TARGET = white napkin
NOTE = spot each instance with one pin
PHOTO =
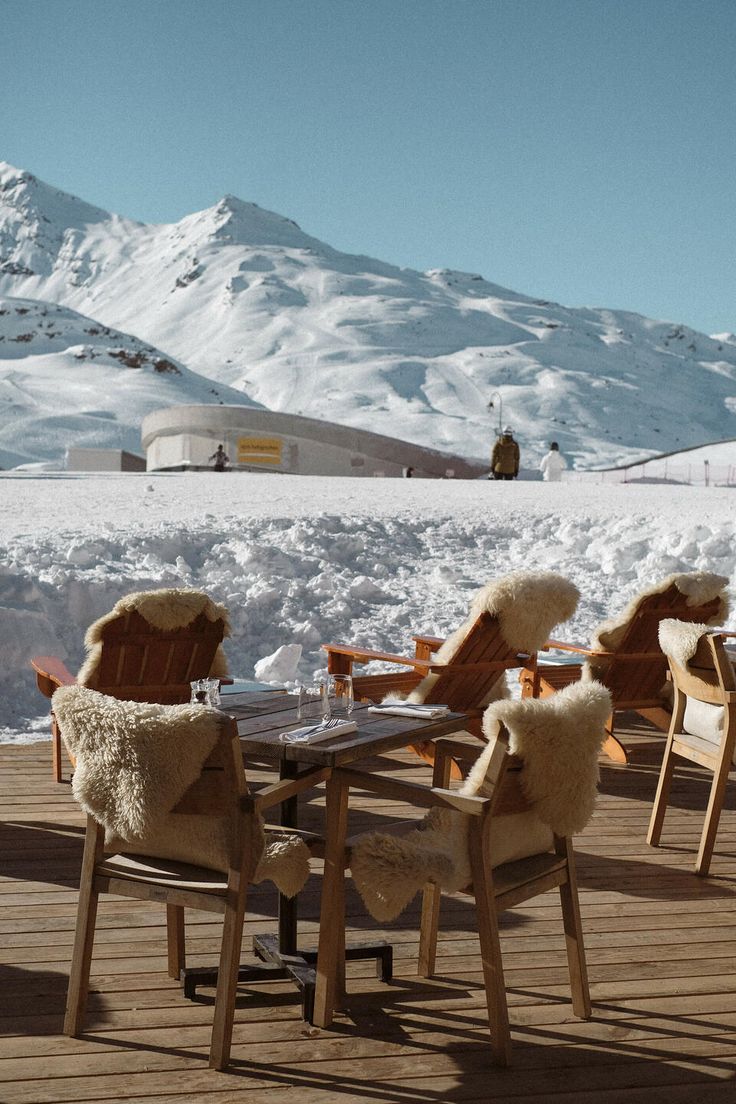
(407, 709)
(312, 734)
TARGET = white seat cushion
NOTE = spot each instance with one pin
(704, 720)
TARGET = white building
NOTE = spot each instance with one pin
(185, 437)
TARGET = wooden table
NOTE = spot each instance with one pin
(261, 718)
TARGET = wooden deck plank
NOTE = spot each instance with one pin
(661, 947)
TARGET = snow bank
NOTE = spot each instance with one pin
(302, 560)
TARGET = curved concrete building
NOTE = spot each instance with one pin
(185, 437)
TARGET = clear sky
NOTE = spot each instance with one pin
(580, 150)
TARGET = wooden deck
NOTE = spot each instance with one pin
(661, 947)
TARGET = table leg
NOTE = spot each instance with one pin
(280, 956)
(331, 952)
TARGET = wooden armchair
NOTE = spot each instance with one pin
(703, 726)
(148, 648)
(625, 654)
(509, 619)
(190, 836)
(503, 838)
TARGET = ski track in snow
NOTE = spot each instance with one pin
(307, 560)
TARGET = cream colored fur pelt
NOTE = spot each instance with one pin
(559, 739)
(679, 639)
(166, 610)
(527, 604)
(699, 587)
(134, 763)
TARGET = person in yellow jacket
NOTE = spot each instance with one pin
(505, 456)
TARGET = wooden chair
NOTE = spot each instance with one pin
(468, 668)
(702, 731)
(626, 656)
(132, 657)
(219, 799)
(547, 863)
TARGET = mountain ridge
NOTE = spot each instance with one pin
(241, 295)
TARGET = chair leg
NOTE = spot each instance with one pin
(330, 986)
(612, 746)
(713, 814)
(662, 796)
(76, 998)
(175, 940)
(56, 750)
(431, 898)
(227, 971)
(490, 947)
(574, 934)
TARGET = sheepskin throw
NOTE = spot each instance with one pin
(166, 610)
(698, 587)
(679, 639)
(528, 605)
(559, 739)
(134, 763)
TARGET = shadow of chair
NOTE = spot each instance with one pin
(503, 838)
(148, 648)
(509, 620)
(703, 726)
(170, 819)
(625, 654)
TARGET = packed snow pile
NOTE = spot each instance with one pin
(244, 297)
(301, 561)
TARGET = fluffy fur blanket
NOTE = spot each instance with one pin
(699, 587)
(679, 639)
(559, 739)
(527, 604)
(167, 609)
(134, 763)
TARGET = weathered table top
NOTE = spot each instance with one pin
(263, 716)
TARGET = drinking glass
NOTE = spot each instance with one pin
(312, 703)
(205, 691)
(340, 695)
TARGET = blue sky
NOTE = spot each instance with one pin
(580, 150)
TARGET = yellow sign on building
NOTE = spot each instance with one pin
(260, 450)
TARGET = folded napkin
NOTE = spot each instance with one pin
(312, 734)
(408, 709)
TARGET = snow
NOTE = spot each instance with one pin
(67, 380)
(245, 298)
(299, 561)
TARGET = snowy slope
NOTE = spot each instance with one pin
(242, 295)
(371, 562)
(68, 380)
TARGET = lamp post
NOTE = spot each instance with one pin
(491, 406)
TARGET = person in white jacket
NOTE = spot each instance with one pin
(553, 464)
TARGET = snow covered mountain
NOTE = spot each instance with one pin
(242, 296)
(68, 380)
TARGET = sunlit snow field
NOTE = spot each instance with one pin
(306, 560)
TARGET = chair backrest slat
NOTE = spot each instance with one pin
(148, 664)
(643, 679)
(463, 690)
(709, 674)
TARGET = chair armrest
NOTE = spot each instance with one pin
(563, 646)
(425, 645)
(366, 655)
(277, 792)
(411, 792)
(450, 749)
(51, 673)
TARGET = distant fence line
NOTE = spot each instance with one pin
(699, 473)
